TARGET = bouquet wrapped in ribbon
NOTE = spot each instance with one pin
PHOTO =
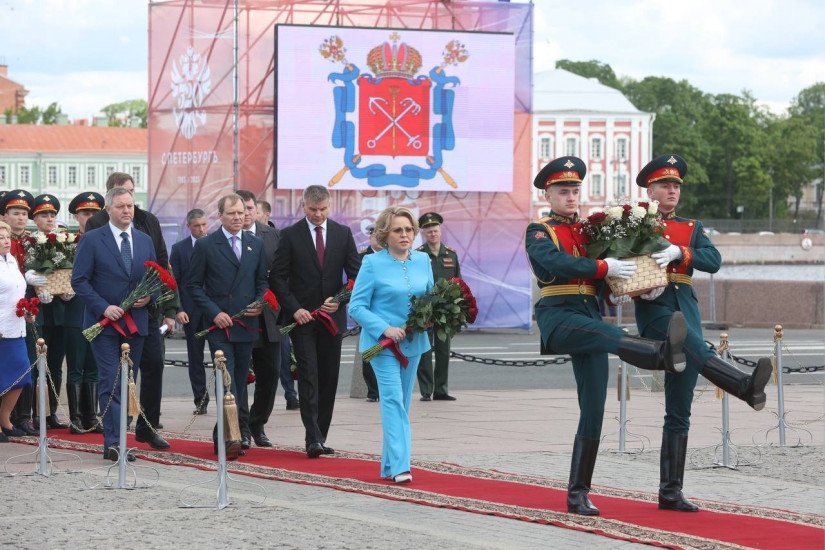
(28, 309)
(448, 306)
(340, 297)
(268, 300)
(155, 280)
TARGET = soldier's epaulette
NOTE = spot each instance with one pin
(448, 249)
(421, 248)
(545, 219)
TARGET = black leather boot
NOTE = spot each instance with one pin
(750, 389)
(53, 421)
(581, 472)
(664, 355)
(88, 407)
(672, 472)
(75, 420)
(23, 412)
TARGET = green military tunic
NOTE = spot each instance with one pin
(434, 381)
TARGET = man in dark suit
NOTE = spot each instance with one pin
(151, 363)
(266, 353)
(228, 274)
(313, 256)
(189, 316)
(109, 264)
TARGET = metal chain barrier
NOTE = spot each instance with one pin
(22, 376)
(785, 370)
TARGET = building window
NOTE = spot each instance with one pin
(52, 175)
(621, 149)
(596, 149)
(596, 185)
(136, 175)
(571, 147)
(109, 170)
(91, 175)
(2, 175)
(71, 176)
(621, 185)
(25, 175)
(545, 148)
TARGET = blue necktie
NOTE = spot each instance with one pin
(126, 251)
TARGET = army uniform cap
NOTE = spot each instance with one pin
(565, 170)
(668, 167)
(44, 203)
(430, 218)
(16, 198)
(87, 201)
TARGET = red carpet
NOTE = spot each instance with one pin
(625, 515)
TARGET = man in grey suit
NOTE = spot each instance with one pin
(228, 274)
(266, 353)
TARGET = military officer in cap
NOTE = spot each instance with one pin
(44, 213)
(689, 249)
(444, 261)
(568, 317)
(81, 368)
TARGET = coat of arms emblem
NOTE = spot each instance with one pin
(400, 113)
(191, 83)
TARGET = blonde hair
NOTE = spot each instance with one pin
(384, 221)
(4, 225)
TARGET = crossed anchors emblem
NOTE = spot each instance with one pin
(394, 122)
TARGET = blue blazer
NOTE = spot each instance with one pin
(380, 298)
(100, 279)
(220, 283)
(181, 261)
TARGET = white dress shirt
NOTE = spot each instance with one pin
(12, 288)
(118, 239)
(229, 236)
(323, 227)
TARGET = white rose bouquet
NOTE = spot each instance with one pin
(47, 252)
(623, 231)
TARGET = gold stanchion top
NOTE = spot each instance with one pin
(124, 347)
(777, 332)
(41, 342)
(723, 342)
(218, 353)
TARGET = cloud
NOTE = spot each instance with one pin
(82, 94)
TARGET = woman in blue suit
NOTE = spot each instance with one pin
(380, 302)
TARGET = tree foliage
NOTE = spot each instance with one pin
(121, 113)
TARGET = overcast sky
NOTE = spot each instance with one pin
(85, 54)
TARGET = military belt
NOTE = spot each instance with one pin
(567, 290)
(680, 278)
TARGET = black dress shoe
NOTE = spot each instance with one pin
(293, 405)
(246, 441)
(28, 427)
(425, 398)
(233, 449)
(154, 440)
(53, 422)
(3, 438)
(372, 399)
(327, 450)
(13, 432)
(443, 397)
(200, 411)
(314, 450)
(111, 453)
(261, 440)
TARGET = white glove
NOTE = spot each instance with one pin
(67, 297)
(653, 294)
(621, 269)
(669, 254)
(45, 297)
(34, 278)
(619, 300)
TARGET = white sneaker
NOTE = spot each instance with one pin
(404, 477)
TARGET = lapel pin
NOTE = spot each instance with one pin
(249, 248)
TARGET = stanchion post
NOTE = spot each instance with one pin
(220, 365)
(43, 450)
(777, 340)
(622, 392)
(724, 345)
(123, 447)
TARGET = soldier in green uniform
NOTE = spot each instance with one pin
(568, 317)
(50, 320)
(444, 261)
(81, 368)
(690, 249)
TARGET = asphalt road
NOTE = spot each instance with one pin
(800, 348)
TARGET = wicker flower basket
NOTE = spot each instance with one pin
(58, 282)
(647, 277)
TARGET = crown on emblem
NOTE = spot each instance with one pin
(396, 59)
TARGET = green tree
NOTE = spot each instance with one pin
(792, 144)
(591, 69)
(810, 106)
(51, 114)
(120, 113)
(29, 115)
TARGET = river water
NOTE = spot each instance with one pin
(784, 272)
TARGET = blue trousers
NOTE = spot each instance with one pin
(106, 349)
(395, 385)
(238, 357)
(287, 383)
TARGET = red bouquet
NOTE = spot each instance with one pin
(268, 299)
(28, 309)
(342, 296)
(155, 280)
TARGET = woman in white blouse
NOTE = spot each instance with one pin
(14, 369)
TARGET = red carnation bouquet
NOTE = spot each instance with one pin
(155, 280)
(341, 297)
(447, 307)
(268, 300)
(29, 310)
